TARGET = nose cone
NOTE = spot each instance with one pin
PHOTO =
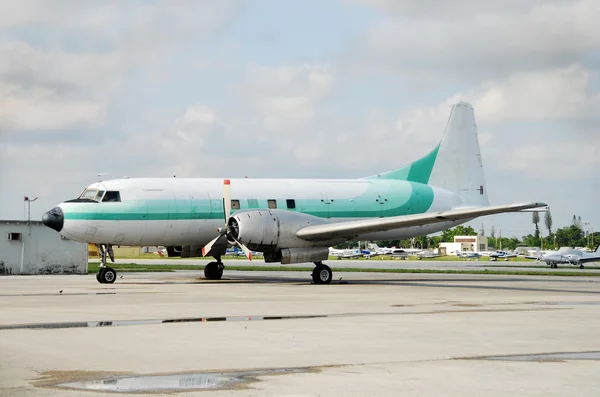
(54, 219)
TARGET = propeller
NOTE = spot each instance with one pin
(225, 232)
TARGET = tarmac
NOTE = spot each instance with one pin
(275, 334)
(374, 263)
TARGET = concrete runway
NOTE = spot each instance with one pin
(274, 334)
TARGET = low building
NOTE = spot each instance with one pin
(465, 244)
(32, 248)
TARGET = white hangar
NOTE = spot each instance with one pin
(32, 248)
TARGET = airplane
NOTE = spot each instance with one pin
(567, 255)
(469, 255)
(288, 220)
(502, 254)
(427, 254)
(398, 252)
(345, 253)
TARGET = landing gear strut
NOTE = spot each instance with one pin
(214, 270)
(106, 275)
(322, 273)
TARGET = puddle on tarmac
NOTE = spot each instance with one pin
(593, 355)
(176, 382)
(117, 323)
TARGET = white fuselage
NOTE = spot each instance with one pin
(178, 211)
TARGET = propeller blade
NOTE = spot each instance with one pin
(245, 249)
(206, 249)
(227, 199)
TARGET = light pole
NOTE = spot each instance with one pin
(29, 201)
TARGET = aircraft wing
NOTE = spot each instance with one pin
(351, 229)
(589, 259)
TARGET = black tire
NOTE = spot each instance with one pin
(581, 267)
(108, 275)
(98, 276)
(322, 274)
(213, 271)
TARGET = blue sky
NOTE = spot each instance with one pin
(156, 87)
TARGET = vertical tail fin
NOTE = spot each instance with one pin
(455, 164)
(458, 166)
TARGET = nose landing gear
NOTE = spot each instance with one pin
(106, 275)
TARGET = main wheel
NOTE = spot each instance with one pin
(581, 266)
(106, 275)
(322, 274)
(213, 271)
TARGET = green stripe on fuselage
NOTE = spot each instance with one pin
(395, 199)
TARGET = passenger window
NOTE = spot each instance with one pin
(111, 197)
(272, 204)
(291, 203)
(235, 204)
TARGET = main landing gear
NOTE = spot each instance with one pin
(214, 270)
(322, 273)
(106, 275)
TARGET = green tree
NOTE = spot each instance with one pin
(448, 235)
(535, 218)
(571, 236)
(531, 240)
(548, 221)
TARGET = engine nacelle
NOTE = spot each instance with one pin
(271, 230)
(304, 255)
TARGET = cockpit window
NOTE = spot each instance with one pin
(111, 196)
(99, 195)
(89, 194)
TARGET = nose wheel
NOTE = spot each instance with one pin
(106, 275)
(322, 273)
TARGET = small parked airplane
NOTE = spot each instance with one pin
(503, 254)
(468, 255)
(568, 255)
(289, 220)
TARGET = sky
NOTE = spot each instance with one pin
(290, 89)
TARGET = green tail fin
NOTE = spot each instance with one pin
(418, 171)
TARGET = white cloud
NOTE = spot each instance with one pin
(43, 90)
(44, 109)
(195, 122)
(75, 69)
(485, 41)
(563, 93)
(287, 95)
(561, 160)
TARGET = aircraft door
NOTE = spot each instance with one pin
(158, 206)
(216, 208)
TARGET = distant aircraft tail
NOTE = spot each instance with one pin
(455, 164)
